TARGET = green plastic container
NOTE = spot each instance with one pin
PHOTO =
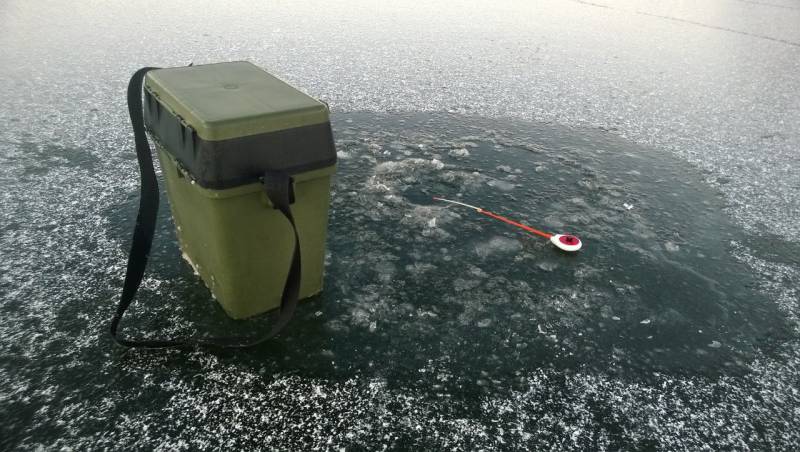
(218, 128)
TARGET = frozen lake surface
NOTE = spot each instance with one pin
(665, 136)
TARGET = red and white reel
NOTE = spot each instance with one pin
(566, 242)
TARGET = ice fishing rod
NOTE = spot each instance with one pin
(564, 242)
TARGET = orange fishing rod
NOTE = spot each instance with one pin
(566, 242)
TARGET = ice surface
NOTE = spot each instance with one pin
(416, 289)
(498, 245)
(460, 152)
(466, 352)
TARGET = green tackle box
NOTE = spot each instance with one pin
(217, 129)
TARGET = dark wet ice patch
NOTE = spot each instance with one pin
(655, 288)
(438, 327)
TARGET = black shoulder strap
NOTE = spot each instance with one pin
(278, 187)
